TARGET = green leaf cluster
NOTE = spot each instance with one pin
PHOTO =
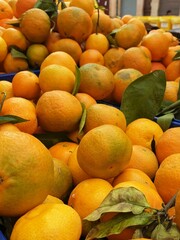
(131, 209)
(144, 97)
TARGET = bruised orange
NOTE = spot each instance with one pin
(108, 152)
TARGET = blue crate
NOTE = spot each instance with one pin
(2, 237)
(9, 76)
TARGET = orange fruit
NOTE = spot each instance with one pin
(48, 221)
(36, 29)
(157, 66)
(171, 91)
(3, 49)
(15, 38)
(14, 64)
(91, 56)
(152, 196)
(135, 57)
(26, 172)
(69, 46)
(99, 114)
(58, 111)
(173, 70)
(87, 5)
(62, 182)
(88, 195)
(61, 58)
(108, 153)
(6, 87)
(170, 54)
(51, 40)
(113, 59)
(25, 84)
(116, 22)
(177, 209)
(167, 180)
(63, 150)
(168, 143)
(36, 53)
(153, 40)
(123, 78)
(144, 159)
(133, 174)
(74, 23)
(22, 6)
(5, 10)
(126, 17)
(23, 108)
(129, 35)
(78, 174)
(143, 131)
(97, 41)
(101, 23)
(63, 78)
(85, 99)
(96, 80)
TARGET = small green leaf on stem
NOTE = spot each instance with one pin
(77, 81)
(83, 118)
(11, 119)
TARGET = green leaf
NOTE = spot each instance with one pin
(83, 118)
(161, 233)
(11, 119)
(144, 96)
(17, 54)
(177, 56)
(49, 138)
(118, 223)
(48, 6)
(165, 121)
(125, 199)
(170, 108)
(77, 81)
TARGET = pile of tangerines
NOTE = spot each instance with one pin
(83, 56)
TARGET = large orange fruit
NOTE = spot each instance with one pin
(153, 40)
(143, 131)
(96, 80)
(123, 78)
(74, 23)
(108, 152)
(36, 29)
(23, 108)
(168, 143)
(26, 172)
(135, 57)
(129, 35)
(99, 114)
(58, 111)
(5, 10)
(167, 178)
(48, 221)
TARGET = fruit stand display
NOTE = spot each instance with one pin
(89, 124)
